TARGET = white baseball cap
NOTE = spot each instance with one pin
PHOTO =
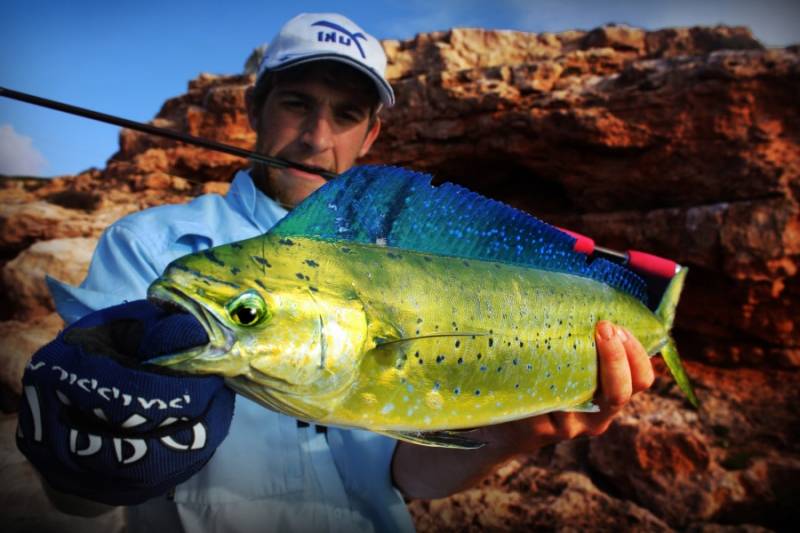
(315, 36)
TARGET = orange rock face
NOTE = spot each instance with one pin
(682, 142)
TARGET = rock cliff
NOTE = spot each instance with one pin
(681, 142)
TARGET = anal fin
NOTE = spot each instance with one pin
(438, 439)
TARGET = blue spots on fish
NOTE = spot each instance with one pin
(209, 254)
(345, 250)
(286, 242)
(313, 288)
(261, 261)
(311, 263)
(236, 246)
(261, 284)
(235, 270)
(439, 359)
(302, 276)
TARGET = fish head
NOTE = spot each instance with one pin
(269, 333)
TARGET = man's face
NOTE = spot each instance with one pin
(314, 122)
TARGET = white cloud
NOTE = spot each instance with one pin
(18, 157)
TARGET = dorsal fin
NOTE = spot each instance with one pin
(400, 208)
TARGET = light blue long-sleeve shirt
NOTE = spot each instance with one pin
(268, 474)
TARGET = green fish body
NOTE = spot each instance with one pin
(361, 331)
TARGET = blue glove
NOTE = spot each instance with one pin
(98, 424)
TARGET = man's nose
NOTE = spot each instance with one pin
(318, 131)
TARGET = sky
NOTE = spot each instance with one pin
(126, 58)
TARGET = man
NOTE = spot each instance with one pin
(315, 102)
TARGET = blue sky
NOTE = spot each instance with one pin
(126, 58)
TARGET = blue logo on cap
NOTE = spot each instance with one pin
(333, 37)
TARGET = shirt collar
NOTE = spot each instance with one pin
(257, 207)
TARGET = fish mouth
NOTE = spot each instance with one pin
(220, 339)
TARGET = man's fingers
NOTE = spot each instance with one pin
(642, 375)
(615, 372)
(567, 425)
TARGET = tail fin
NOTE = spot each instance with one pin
(666, 313)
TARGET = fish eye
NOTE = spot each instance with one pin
(247, 309)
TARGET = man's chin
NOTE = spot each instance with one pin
(291, 186)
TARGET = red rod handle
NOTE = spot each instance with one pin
(640, 261)
(652, 264)
(583, 244)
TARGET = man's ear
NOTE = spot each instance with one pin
(252, 115)
(372, 134)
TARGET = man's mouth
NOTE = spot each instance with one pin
(309, 171)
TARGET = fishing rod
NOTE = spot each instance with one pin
(643, 262)
(274, 162)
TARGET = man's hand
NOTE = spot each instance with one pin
(99, 425)
(624, 370)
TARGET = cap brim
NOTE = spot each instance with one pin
(385, 91)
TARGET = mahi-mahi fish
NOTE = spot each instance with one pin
(386, 303)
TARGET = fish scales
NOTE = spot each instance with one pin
(532, 329)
